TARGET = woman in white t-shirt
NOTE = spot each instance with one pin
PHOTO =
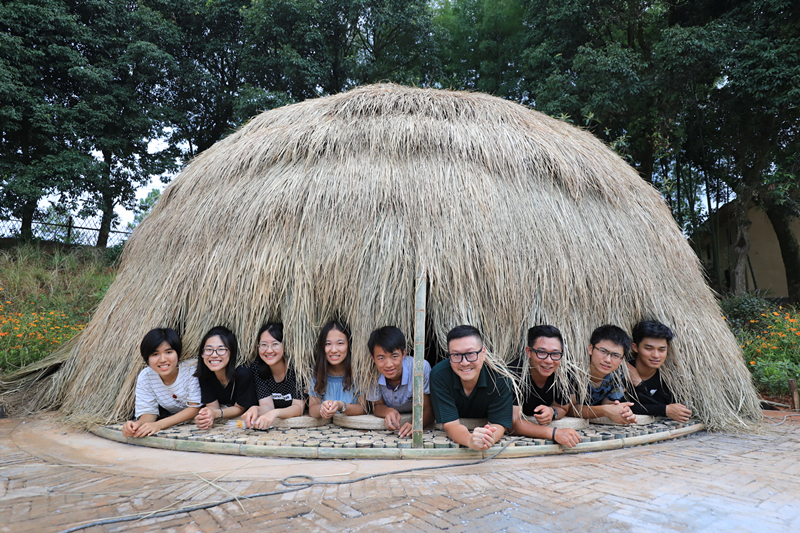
(167, 392)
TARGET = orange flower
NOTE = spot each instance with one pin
(752, 362)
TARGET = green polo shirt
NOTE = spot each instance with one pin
(491, 398)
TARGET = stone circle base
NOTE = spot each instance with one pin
(333, 442)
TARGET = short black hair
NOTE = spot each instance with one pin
(464, 330)
(652, 329)
(155, 337)
(613, 334)
(275, 329)
(228, 339)
(390, 338)
(544, 331)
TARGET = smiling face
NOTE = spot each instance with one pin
(216, 361)
(605, 358)
(650, 353)
(466, 370)
(164, 361)
(270, 350)
(544, 367)
(336, 346)
(389, 364)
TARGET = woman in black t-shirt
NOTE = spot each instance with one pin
(226, 391)
(277, 389)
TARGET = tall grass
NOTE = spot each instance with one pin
(46, 297)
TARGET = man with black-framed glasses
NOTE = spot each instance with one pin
(542, 402)
(605, 391)
(463, 387)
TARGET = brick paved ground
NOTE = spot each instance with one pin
(52, 478)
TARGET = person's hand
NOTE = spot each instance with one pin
(679, 412)
(265, 421)
(249, 416)
(405, 430)
(129, 428)
(205, 418)
(543, 415)
(329, 408)
(147, 429)
(482, 438)
(634, 374)
(392, 420)
(568, 437)
(620, 413)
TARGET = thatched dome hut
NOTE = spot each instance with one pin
(326, 208)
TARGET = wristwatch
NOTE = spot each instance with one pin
(555, 413)
(344, 407)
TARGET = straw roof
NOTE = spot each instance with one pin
(326, 208)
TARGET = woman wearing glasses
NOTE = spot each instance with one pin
(278, 393)
(226, 391)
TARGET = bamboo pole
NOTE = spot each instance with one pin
(419, 357)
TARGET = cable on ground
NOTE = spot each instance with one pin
(286, 482)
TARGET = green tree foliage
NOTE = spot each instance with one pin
(143, 208)
(39, 147)
(123, 101)
(481, 43)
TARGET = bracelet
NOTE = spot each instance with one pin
(221, 413)
(554, 434)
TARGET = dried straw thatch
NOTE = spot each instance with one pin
(325, 209)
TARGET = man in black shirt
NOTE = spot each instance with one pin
(541, 400)
(652, 397)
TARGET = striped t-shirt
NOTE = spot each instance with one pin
(151, 391)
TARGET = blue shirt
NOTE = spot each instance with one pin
(402, 398)
(610, 388)
(334, 391)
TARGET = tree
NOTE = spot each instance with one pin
(143, 208)
(481, 45)
(754, 106)
(39, 147)
(123, 101)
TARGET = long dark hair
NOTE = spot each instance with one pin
(203, 373)
(276, 330)
(321, 365)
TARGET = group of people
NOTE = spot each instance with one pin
(212, 388)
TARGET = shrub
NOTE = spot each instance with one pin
(771, 347)
(46, 297)
(741, 310)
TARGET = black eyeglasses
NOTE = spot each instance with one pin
(605, 353)
(471, 357)
(219, 351)
(541, 354)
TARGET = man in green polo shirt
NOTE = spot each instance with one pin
(463, 387)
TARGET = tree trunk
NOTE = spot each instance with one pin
(742, 245)
(781, 219)
(108, 206)
(28, 210)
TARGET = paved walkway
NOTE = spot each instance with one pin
(53, 478)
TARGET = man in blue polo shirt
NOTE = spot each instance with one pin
(395, 392)
(462, 386)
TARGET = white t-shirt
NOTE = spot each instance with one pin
(151, 391)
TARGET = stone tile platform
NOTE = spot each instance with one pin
(333, 442)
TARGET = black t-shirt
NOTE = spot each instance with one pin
(533, 395)
(282, 393)
(652, 397)
(238, 391)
